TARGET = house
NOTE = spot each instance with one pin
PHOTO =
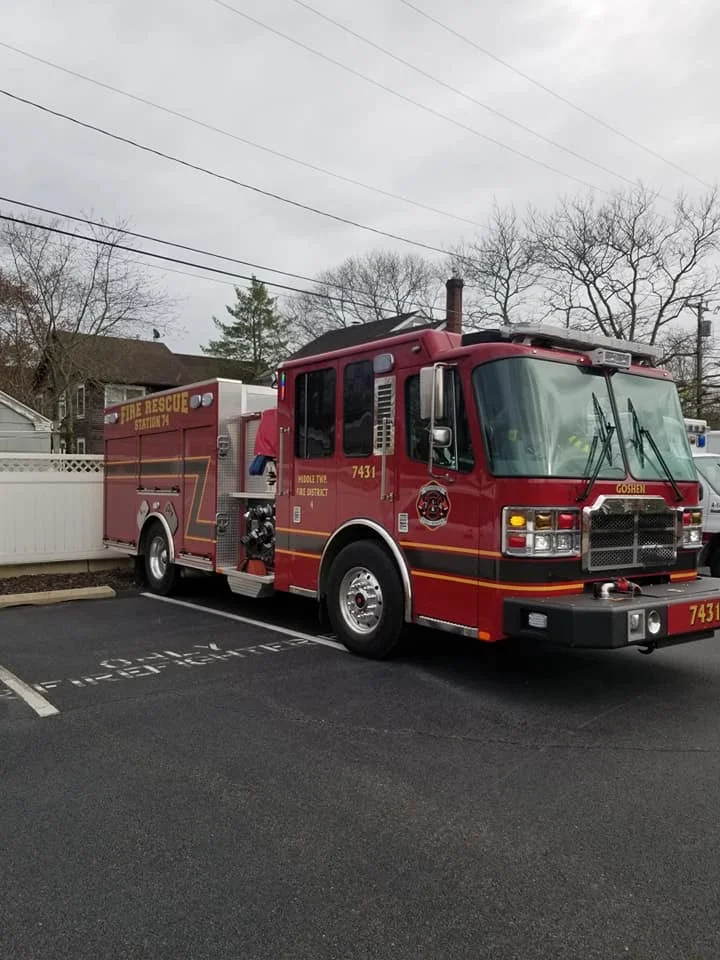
(23, 430)
(357, 333)
(109, 370)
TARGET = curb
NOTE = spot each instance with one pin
(55, 596)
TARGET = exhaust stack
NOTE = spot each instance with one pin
(453, 310)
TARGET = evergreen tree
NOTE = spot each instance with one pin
(258, 334)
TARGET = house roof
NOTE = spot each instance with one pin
(147, 363)
(207, 368)
(361, 333)
(122, 360)
(40, 423)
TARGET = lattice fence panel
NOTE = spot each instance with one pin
(51, 463)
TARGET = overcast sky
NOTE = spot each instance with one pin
(648, 68)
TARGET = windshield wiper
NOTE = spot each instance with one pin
(640, 434)
(609, 430)
(603, 426)
(637, 433)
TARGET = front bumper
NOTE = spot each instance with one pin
(686, 611)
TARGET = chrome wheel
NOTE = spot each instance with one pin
(361, 600)
(158, 558)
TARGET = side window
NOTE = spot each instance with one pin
(315, 414)
(358, 409)
(459, 455)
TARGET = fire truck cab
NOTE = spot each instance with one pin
(530, 482)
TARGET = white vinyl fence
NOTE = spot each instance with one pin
(51, 508)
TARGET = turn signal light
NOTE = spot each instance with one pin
(517, 520)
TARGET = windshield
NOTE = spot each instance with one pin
(657, 410)
(709, 470)
(541, 418)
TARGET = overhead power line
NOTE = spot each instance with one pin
(234, 136)
(160, 256)
(214, 271)
(167, 243)
(406, 99)
(555, 94)
(463, 94)
(221, 176)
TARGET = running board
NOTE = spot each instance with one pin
(194, 563)
(249, 584)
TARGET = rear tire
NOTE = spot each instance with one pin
(714, 562)
(365, 600)
(160, 574)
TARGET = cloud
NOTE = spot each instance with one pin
(639, 65)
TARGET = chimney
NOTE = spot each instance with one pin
(453, 314)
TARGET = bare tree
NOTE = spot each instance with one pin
(380, 284)
(66, 288)
(622, 266)
(501, 270)
(16, 352)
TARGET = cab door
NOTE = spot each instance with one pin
(311, 476)
(437, 504)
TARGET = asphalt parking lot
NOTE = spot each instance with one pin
(200, 786)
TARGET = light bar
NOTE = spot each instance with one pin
(579, 340)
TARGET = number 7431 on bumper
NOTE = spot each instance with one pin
(707, 613)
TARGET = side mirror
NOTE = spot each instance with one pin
(432, 384)
(442, 437)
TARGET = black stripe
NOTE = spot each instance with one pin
(161, 468)
(302, 542)
(512, 570)
(494, 568)
(521, 570)
(459, 564)
(687, 560)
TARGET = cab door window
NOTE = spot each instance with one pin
(358, 409)
(315, 414)
(459, 455)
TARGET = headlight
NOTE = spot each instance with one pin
(564, 543)
(543, 543)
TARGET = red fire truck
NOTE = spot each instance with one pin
(529, 482)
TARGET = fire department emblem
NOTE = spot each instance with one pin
(433, 505)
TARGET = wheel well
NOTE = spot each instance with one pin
(152, 520)
(353, 533)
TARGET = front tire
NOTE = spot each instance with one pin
(365, 600)
(160, 574)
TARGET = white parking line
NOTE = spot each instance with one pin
(323, 641)
(31, 697)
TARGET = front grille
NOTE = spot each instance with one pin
(630, 533)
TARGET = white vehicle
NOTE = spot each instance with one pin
(708, 468)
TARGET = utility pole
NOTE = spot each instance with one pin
(698, 361)
(704, 331)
